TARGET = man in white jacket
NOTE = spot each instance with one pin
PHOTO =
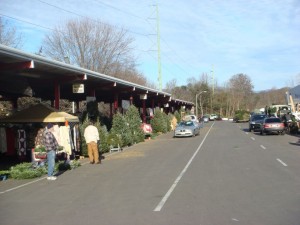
(91, 136)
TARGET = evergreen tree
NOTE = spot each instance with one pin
(82, 127)
(121, 127)
(133, 118)
(159, 123)
(103, 134)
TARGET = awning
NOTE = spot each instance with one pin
(40, 113)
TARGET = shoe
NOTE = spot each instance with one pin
(51, 178)
(98, 162)
(91, 162)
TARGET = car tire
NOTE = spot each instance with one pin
(282, 133)
(250, 130)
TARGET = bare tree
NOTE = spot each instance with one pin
(96, 46)
(241, 89)
(170, 86)
(9, 35)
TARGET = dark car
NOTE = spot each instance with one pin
(272, 125)
(256, 121)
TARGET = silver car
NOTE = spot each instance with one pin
(186, 129)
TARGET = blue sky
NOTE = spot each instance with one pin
(257, 38)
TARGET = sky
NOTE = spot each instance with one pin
(259, 38)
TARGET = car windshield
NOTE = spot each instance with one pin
(258, 117)
(186, 123)
(273, 120)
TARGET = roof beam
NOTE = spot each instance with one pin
(17, 66)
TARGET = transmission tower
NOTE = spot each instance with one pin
(158, 50)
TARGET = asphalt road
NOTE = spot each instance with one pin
(223, 176)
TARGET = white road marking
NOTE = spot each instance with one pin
(247, 132)
(31, 182)
(8, 190)
(263, 147)
(168, 194)
(279, 160)
(234, 219)
(253, 138)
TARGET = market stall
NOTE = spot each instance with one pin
(26, 127)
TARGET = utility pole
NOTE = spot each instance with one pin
(213, 89)
(158, 50)
(213, 80)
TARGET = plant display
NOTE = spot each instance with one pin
(29, 171)
(63, 165)
(40, 148)
(26, 171)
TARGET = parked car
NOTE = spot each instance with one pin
(256, 121)
(205, 119)
(187, 129)
(272, 125)
(213, 116)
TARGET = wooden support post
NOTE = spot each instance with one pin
(144, 111)
(116, 102)
(56, 94)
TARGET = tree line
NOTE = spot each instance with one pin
(236, 94)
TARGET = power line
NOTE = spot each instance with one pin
(118, 9)
(23, 21)
(123, 11)
(97, 21)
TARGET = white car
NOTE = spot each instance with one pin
(187, 129)
(213, 116)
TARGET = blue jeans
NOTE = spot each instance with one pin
(51, 162)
